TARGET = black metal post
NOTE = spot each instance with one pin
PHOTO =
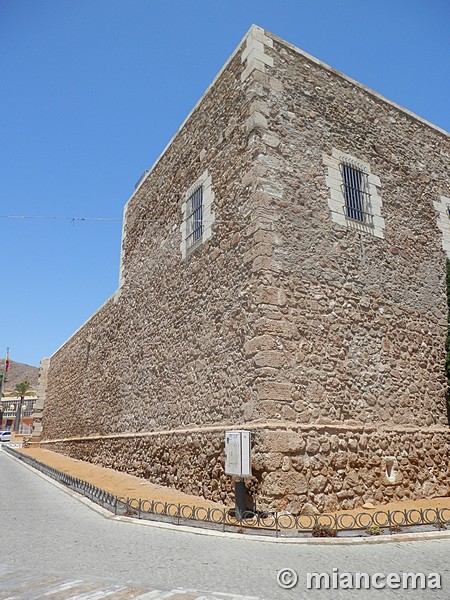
(239, 499)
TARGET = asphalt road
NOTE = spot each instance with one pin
(46, 530)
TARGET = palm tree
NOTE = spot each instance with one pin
(22, 389)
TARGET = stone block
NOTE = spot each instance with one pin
(285, 441)
(277, 327)
(259, 106)
(259, 252)
(253, 66)
(309, 509)
(258, 344)
(269, 358)
(266, 409)
(266, 237)
(258, 33)
(270, 295)
(269, 461)
(256, 121)
(272, 188)
(334, 442)
(265, 263)
(340, 460)
(312, 445)
(317, 484)
(280, 483)
(259, 201)
(271, 390)
(252, 45)
(275, 84)
(287, 464)
(345, 494)
(257, 54)
(271, 140)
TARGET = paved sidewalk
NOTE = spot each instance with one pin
(128, 486)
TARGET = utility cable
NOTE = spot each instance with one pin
(60, 218)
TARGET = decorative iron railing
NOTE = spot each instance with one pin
(257, 523)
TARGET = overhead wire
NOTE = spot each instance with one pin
(48, 218)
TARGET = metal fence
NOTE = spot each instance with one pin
(256, 523)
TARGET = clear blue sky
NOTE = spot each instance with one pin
(92, 91)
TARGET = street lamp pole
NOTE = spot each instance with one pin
(18, 415)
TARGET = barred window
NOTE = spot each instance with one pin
(194, 218)
(354, 199)
(197, 215)
(355, 188)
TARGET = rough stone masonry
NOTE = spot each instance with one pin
(311, 314)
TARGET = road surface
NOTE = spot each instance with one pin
(46, 531)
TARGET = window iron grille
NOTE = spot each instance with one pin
(194, 218)
(355, 188)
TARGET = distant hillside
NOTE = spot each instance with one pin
(19, 372)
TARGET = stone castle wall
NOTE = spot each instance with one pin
(355, 325)
(302, 467)
(166, 350)
(327, 342)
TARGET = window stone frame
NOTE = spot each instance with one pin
(208, 217)
(336, 201)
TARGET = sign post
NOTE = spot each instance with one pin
(238, 463)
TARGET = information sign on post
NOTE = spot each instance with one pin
(237, 454)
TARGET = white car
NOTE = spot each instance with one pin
(5, 436)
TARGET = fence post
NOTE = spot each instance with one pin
(389, 520)
(422, 517)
